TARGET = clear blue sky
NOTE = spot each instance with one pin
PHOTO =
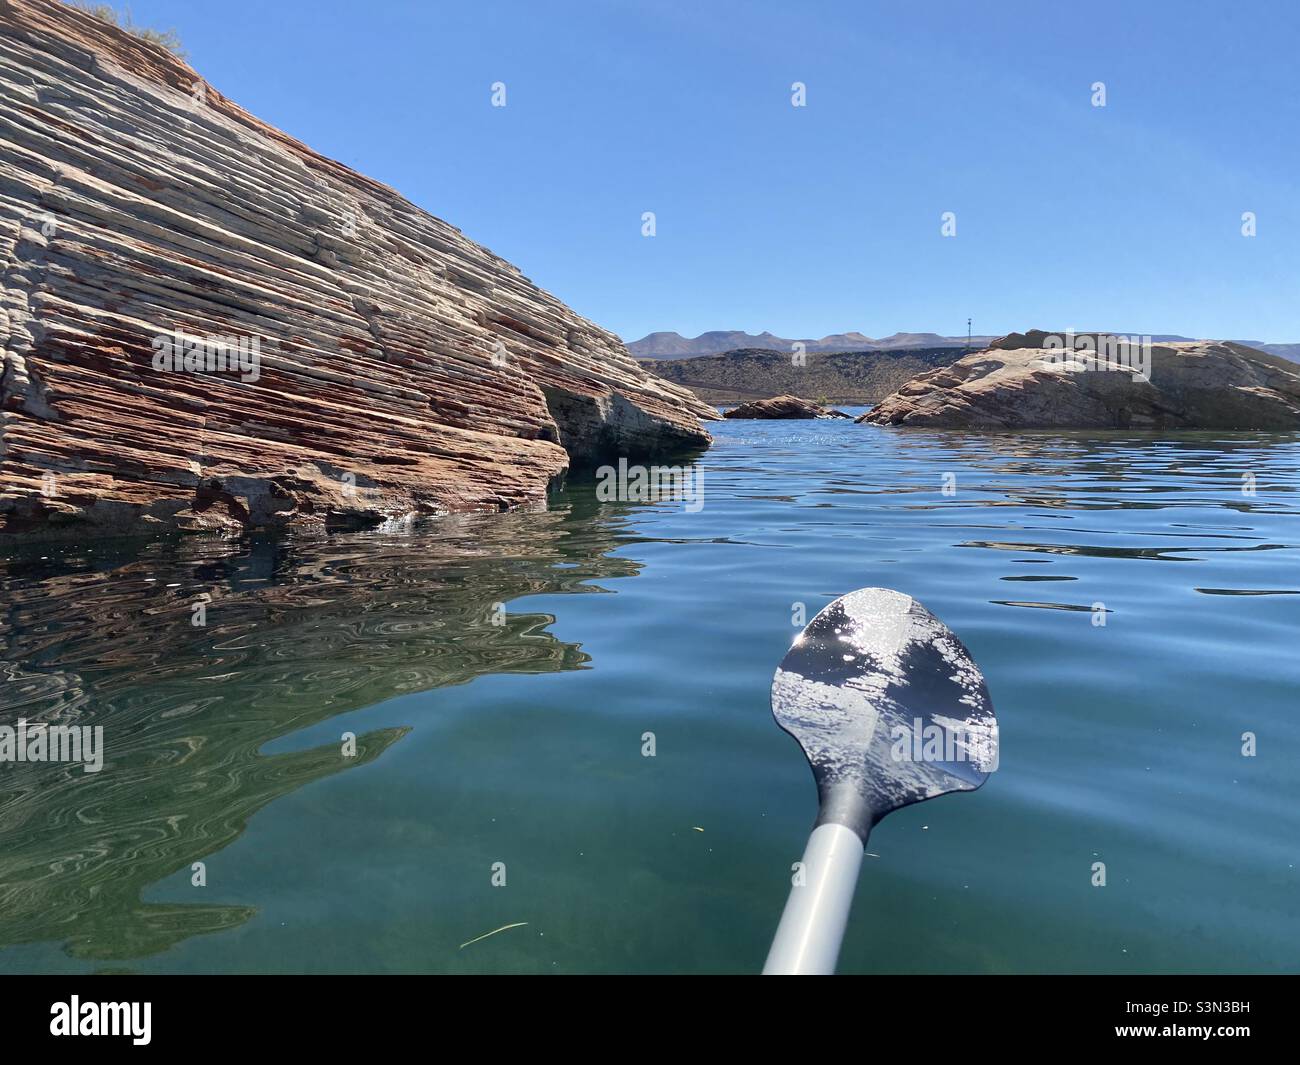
(813, 220)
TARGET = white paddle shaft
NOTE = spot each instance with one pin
(807, 941)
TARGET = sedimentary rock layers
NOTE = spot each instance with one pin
(1098, 381)
(341, 355)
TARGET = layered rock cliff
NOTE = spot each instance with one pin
(1037, 380)
(340, 356)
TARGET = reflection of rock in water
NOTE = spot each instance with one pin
(1088, 470)
(296, 633)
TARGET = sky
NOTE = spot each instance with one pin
(824, 218)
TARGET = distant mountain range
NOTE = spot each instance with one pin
(676, 346)
(668, 345)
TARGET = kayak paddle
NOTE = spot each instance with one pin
(890, 710)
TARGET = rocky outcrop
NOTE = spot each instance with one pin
(340, 356)
(791, 407)
(1038, 380)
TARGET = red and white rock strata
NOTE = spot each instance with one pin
(403, 369)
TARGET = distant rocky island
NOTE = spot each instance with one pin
(1041, 380)
(782, 408)
(850, 378)
(206, 325)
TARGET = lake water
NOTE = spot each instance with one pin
(521, 743)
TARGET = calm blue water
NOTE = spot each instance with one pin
(520, 743)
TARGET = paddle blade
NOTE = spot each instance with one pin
(887, 705)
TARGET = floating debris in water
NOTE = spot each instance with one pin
(503, 928)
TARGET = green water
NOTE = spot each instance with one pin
(521, 742)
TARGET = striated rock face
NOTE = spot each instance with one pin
(369, 361)
(783, 407)
(1022, 382)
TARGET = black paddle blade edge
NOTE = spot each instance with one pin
(888, 706)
